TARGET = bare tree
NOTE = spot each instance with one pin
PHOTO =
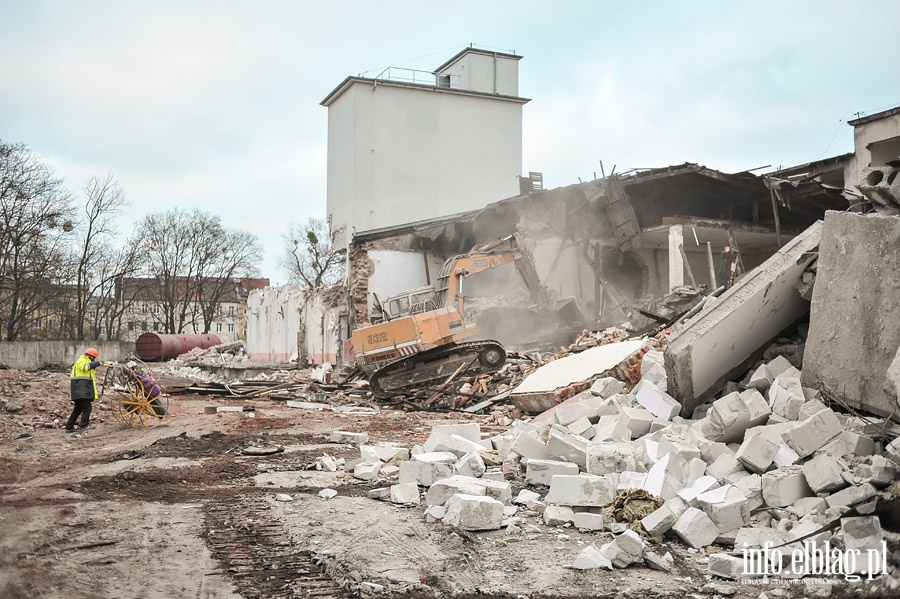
(195, 261)
(309, 258)
(111, 298)
(103, 200)
(35, 226)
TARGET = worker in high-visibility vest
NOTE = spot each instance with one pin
(83, 383)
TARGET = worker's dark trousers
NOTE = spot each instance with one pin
(82, 407)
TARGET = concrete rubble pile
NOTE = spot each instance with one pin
(768, 464)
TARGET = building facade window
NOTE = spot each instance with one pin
(230, 327)
(218, 327)
(230, 310)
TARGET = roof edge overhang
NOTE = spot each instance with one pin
(349, 81)
(875, 117)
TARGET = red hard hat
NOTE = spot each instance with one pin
(92, 352)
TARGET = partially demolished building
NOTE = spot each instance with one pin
(615, 247)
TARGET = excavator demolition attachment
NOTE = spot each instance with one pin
(420, 340)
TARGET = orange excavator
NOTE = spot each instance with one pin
(421, 337)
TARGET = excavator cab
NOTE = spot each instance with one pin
(411, 301)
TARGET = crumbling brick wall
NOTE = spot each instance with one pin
(361, 269)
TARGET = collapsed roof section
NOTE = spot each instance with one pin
(613, 240)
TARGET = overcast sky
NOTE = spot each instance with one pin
(215, 104)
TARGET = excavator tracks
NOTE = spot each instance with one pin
(437, 365)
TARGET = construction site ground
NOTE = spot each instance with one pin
(179, 510)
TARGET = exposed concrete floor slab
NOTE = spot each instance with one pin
(720, 341)
(578, 367)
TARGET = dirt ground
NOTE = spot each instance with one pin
(179, 510)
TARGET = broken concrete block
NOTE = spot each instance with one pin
(557, 515)
(468, 430)
(389, 470)
(659, 521)
(470, 464)
(724, 465)
(757, 452)
(528, 445)
(541, 472)
(383, 493)
(751, 487)
(892, 451)
(666, 477)
(406, 493)
(761, 379)
(862, 534)
(327, 463)
(426, 468)
(611, 428)
(683, 445)
(695, 528)
(727, 566)
(502, 444)
(383, 452)
(589, 521)
(785, 456)
(731, 513)
(701, 485)
(607, 387)
(780, 365)
(637, 420)
(851, 344)
(458, 444)
(605, 458)
(824, 474)
(567, 413)
(367, 470)
(811, 434)
(563, 444)
(656, 374)
(876, 470)
(810, 407)
(591, 558)
(525, 496)
(473, 512)
(731, 415)
(444, 489)
(696, 469)
(784, 486)
(498, 489)
(631, 480)
(808, 505)
(747, 537)
(580, 490)
(348, 437)
(660, 404)
(851, 496)
(655, 561)
(786, 397)
(625, 549)
(582, 427)
(714, 346)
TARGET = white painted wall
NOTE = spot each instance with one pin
(395, 271)
(322, 327)
(398, 154)
(489, 73)
(273, 323)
